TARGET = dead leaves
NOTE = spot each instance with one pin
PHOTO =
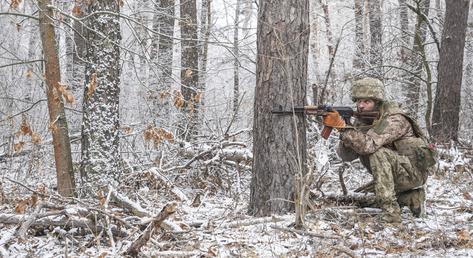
(15, 3)
(66, 94)
(157, 135)
(23, 204)
(92, 86)
(180, 101)
(25, 130)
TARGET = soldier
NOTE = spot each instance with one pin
(392, 148)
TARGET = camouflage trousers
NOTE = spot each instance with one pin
(396, 182)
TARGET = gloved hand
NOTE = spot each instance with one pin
(333, 119)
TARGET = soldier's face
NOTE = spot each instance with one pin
(365, 105)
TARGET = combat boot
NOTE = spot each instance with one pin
(391, 213)
(414, 200)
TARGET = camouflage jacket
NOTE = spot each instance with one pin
(366, 139)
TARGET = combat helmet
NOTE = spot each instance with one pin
(367, 88)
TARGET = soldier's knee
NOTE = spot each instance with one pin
(382, 153)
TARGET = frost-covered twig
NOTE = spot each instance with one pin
(303, 232)
(249, 222)
(175, 254)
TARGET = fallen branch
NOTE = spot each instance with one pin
(175, 254)
(167, 211)
(249, 222)
(303, 232)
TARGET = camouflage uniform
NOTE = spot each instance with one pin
(379, 145)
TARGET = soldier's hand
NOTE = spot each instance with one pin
(333, 119)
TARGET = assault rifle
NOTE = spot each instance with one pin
(345, 112)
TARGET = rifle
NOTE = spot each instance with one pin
(345, 112)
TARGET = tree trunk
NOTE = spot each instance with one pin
(236, 60)
(57, 117)
(405, 37)
(447, 99)
(315, 52)
(205, 15)
(100, 127)
(279, 145)
(417, 58)
(189, 71)
(376, 30)
(324, 93)
(359, 43)
(160, 74)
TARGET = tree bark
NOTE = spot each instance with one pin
(445, 119)
(100, 128)
(189, 69)
(417, 58)
(160, 74)
(279, 145)
(360, 50)
(57, 117)
(236, 61)
(376, 30)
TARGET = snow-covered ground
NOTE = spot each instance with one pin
(218, 226)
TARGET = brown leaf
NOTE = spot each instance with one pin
(198, 96)
(163, 94)
(92, 86)
(22, 206)
(188, 73)
(103, 255)
(101, 197)
(29, 73)
(467, 196)
(18, 27)
(179, 101)
(17, 147)
(76, 10)
(127, 130)
(62, 88)
(14, 4)
(25, 128)
(36, 138)
(463, 236)
(34, 200)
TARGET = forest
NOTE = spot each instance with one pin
(194, 128)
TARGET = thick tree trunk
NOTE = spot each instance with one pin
(376, 30)
(57, 117)
(279, 145)
(447, 99)
(100, 127)
(189, 69)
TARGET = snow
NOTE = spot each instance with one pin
(226, 230)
